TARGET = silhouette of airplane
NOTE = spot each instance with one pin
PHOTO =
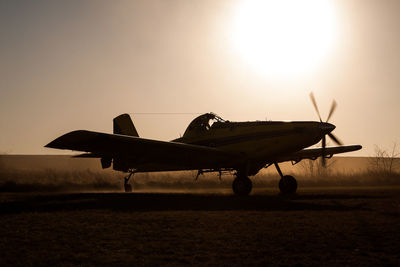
(210, 144)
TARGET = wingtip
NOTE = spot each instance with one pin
(53, 144)
(356, 147)
(63, 141)
(50, 145)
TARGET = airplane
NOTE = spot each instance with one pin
(210, 144)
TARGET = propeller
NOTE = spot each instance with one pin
(331, 135)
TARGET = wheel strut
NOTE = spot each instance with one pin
(278, 169)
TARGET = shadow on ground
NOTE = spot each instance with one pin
(175, 201)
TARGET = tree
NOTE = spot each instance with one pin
(384, 160)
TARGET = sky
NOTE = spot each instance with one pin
(77, 64)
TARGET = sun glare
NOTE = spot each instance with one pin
(284, 37)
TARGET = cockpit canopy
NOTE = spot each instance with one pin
(202, 124)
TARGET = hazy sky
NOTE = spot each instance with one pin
(68, 65)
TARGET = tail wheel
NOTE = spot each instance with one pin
(288, 184)
(242, 186)
(127, 185)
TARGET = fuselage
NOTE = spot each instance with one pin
(257, 140)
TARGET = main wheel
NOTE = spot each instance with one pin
(128, 188)
(242, 186)
(288, 184)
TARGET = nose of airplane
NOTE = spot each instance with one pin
(326, 127)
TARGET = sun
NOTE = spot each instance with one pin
(284, 37)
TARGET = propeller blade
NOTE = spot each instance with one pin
(335, 139)
(333, 107)
(315, 105)
(323, 151)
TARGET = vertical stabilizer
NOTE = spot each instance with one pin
(124, 125)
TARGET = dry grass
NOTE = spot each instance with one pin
(12, 180)
(57, 180)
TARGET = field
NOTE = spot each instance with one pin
(79, 217)
(335, 226)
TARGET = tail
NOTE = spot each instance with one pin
(124, 125)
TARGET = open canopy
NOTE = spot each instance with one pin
(202, 123)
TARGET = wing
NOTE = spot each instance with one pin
(144, 154)
(313, 153)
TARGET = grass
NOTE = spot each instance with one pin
(12, 180)
(49, 180)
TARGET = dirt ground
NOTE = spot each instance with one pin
(318, 226)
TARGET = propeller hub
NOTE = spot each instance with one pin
(326, 127)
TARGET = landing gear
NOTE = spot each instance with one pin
(242, 185)
(287, 183)
(127, 185)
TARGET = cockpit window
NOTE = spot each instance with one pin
(202, 123)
